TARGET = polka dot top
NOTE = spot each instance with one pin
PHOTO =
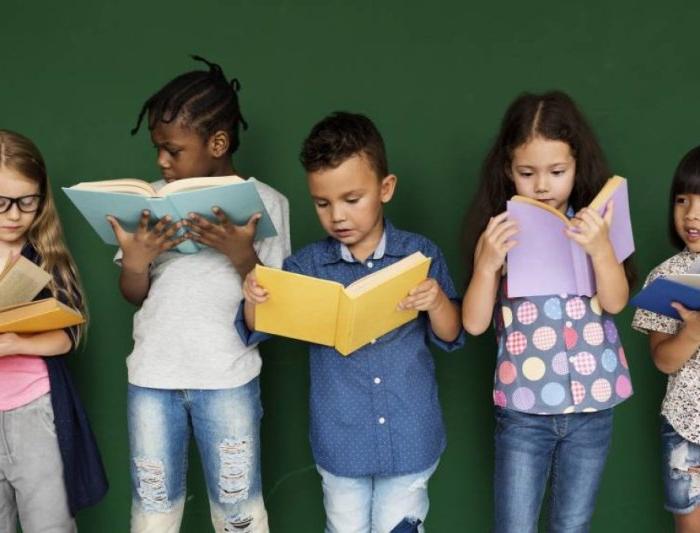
(557, 354)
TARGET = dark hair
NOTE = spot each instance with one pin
(686, 180)
(203, 100)
(553, 116)
(340, 136)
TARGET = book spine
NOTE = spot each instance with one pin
(163, 206)
(345, 324)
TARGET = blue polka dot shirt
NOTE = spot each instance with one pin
(375, 412)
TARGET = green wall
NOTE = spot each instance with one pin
(436, 77)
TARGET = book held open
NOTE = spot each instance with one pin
(546, 261)
(324, 312)
(126, 199)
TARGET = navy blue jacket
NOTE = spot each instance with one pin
(83, 471)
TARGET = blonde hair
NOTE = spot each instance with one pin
(45, 234)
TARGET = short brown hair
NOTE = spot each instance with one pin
(340, 136)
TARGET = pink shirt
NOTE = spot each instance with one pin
(23, 379)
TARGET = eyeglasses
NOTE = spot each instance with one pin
(26, 204)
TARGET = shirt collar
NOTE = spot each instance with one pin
(390, 244)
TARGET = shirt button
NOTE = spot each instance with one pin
(370, 264)
(377, 380)
(382, 419)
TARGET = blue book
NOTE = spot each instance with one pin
(658, 295)
(125, 199)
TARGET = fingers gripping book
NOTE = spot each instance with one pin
(126, 199)
(325, 312)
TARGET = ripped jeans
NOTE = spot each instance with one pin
(226, 428)
(681, 471)
(397, 504)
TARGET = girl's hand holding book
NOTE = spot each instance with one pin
(145, 244)
(590, 230)
(494, 243)
(9, 344)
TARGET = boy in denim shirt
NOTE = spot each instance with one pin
(376, 424)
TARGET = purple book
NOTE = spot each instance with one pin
(545, 261)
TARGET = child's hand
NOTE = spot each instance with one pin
(494, 244)
(427, 296)
(252, 292)
(229, 239)
(9, 344)
(590, 230)
(145, 244)
(691, 321)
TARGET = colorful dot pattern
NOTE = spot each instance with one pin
(557, 354)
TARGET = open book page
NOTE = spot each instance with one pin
(189, 184)
(689, 280)
(372, 312)
(379, 277)
(125, 186)
(20, 281)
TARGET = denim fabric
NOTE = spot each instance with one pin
(681, 471)
(226, 428)
(377, 504)
(568, 450)
(31, 471)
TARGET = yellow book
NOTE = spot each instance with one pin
(41, 315)
(20, 281)
(325, 312)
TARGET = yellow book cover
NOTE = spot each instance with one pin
(324, 312)
(38, 316)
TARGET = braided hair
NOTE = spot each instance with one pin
(204, 100)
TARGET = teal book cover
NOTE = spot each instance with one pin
(239, 200)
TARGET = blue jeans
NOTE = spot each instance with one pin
(226, 427)
(681, 471)
(569, 449)
(396, 504)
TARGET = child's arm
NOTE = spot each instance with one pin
(140, 249)
(45, 344)
(489, 256)
(670, 352)
(442, 312)
(235, 242)
(590, 230)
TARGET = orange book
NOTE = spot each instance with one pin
(38, 316)
(325, 312)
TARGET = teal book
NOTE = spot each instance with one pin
(125, 199)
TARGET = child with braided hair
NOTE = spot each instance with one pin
(189, 373)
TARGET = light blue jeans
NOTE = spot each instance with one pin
(376, 504)
(569, 449)
(226, 428)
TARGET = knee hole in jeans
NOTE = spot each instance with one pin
(234, 478)
(151, 489)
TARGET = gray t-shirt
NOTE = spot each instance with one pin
(184, 337)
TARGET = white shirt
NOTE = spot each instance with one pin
(184, 337)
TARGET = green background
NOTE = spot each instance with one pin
(436, 77)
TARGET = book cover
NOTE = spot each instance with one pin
(41, 315)
(545, 261)
(658, 295)
(324, 312)
(126, 200)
